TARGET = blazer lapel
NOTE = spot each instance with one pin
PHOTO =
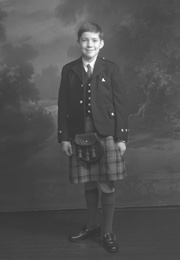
(99, 67)
(78, 69)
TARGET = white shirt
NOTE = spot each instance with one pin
(92, 63)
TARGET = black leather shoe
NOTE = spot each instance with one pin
(110, 243)
(86, 233)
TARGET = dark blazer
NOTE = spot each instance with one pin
(108, 101)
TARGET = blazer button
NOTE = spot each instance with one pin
(80, 101)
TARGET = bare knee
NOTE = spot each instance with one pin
(107, 187)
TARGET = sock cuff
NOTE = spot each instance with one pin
(108, 198)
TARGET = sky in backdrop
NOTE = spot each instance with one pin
(36, 22)
(50, 25)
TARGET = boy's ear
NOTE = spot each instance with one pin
(102, 44)
(78, 43)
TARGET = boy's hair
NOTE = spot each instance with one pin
(90, 27)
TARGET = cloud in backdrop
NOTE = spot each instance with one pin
(49, 27)
(35, 22)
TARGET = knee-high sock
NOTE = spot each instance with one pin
(108, 203)
(92, 197)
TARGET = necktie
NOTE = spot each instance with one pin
(89, 71)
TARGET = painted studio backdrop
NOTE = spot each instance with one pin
(37, 38)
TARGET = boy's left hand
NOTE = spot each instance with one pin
(122, 147)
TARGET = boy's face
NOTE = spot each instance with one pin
(90, 45)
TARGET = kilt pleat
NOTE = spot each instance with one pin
(111, 167)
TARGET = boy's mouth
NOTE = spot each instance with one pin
(89, 50)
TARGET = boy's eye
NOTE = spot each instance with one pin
(86, 40)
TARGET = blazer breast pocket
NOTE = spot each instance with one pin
(105, 88)
(103, 80)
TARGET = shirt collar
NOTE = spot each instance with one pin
(92, 63)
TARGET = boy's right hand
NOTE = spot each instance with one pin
(67, 148)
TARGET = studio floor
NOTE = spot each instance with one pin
(143, 234)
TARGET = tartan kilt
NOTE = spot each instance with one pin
(111, 167)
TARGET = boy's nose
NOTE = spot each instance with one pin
(90, 43)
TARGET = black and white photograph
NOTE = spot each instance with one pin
(89, 129)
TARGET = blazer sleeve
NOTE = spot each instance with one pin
(120, 104)
(63, 133)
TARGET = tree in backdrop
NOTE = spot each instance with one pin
(151, 43)
(17, 88)
(16, 74)
(144, 38)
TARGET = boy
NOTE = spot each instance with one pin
(92, 99)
